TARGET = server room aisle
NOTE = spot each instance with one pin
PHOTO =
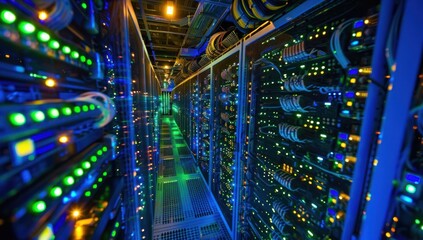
(184, 207)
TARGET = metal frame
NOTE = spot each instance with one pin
(396, 117)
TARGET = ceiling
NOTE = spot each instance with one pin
(172, 41)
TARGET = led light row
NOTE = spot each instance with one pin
(18, 119)
(68, 180)
(27, 28)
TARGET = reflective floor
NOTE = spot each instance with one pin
(185, 209)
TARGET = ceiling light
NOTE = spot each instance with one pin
(169, 8)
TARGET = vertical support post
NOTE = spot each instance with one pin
(372, 113)
(396, 118)
(241, 129)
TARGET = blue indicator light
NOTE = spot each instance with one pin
(353, 71)
(343, 136)
(349, 94)
(406, 199)
(331, 212)
(359, 24)
(354, 43)
(333, 193)
(412, 178)
(339, 156)
(345, 112)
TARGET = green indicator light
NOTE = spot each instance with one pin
(310, 233)
(77, 109)
(83, 58)
(99, 152)
(66, 49)
(26, 27)
(87, 194)
(104, 174)
(86, 165)
(93, 159)
(38, 116)
(53, 113)
(78, 172)
(85, 108)
(114, 233)
(43, 36)
(417, 221)
(17, 119)
(95, 186)
(56, 192)
(117, 224)
(8, 17)
(89, 62)
(74, 54)
(66, 111)
(410, 188)
(38, 206)
(104, 149)
(68, 180)
(100, 180)
(92, 107)
(84, 5)
(54, 44)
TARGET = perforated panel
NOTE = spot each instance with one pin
(188, 165)
(168, 168)
(172, 204)
(198, 197)
(179, 234)
(184, 151)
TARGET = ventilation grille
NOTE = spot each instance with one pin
(198, 197)
(179, 234)
(214, 231)
(166, 152)
(172, 204)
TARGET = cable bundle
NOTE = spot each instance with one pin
(285, 179)
(281, 209)
(219, 42)
(297, 53)
(296, 84)
(104, 103)
(279, 223)
(335, 44)
(290, 132)
(248, 14)
(60, 13)
(291, 103)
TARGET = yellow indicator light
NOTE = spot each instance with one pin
(343, 145)
(331, 219)
(63, 139)
(388, 234)
(361, 94)
(333, 200)
(353, 80)
(375, 162)
(50, 82)
(76, 213)
(339, 165)
(42, 15)
(395, 219)
(349, 104)
(358, 34)
(24, 147)
(366, 21)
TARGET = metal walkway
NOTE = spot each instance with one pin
(185, 208)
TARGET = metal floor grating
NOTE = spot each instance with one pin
(179, 234)
(183, 151)
(184, 207)
(187, 164)
(198, 196)
(168, 168)
(172, 204)
(166, 151)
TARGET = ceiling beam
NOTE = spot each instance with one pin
(176, 48)
(160, 31)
